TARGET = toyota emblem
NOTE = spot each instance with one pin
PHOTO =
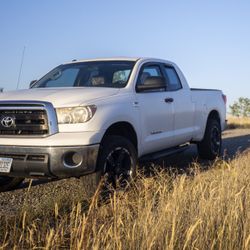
(8, 122)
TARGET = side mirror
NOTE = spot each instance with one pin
(32, 83)
(152, 83)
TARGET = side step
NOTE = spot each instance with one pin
(164, 153)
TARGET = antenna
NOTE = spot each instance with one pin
(20, 70)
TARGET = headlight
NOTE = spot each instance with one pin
(75, 114)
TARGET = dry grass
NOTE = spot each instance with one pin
(205, 210)
(238, 122)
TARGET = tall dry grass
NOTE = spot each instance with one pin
(238, 122)
(203, 210)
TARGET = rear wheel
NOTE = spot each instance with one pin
(116, 164)
(210, 147)
(8, 183)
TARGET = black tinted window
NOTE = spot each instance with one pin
(113, 74)
(173, 79)
(62, 78)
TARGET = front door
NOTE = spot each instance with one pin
(156, 113)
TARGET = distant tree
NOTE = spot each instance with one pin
(241, 108)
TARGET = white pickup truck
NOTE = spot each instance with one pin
(103, 115)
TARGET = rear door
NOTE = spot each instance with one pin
(156, 115)
(183, 106)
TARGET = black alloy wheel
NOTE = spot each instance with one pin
(210, 146)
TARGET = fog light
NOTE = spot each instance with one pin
(72, 159)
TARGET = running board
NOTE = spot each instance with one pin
(164, 153)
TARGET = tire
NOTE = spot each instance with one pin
(210, 147)
(116, 163)
(9, 183)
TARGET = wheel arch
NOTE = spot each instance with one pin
(124, 129)
(214, 114)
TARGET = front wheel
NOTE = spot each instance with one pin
(116, 164)
(210, 147)
(117, 160)
(8, 183)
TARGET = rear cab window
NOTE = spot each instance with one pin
(172, 78)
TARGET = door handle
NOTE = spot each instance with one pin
(169, 100)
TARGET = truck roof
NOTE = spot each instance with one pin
(105, 59)
(118, 59)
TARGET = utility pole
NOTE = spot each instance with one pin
(20, 70)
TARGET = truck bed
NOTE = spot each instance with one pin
(197, 89)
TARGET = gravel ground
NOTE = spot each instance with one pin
(42, 191)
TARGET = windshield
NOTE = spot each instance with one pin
(112, 74)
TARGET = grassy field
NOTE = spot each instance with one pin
(238, 122)
(198, 210)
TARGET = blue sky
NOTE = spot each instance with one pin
(209, 40)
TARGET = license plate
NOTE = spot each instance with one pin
(5, 165)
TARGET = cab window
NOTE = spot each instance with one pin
(173, 80)
(151, 70)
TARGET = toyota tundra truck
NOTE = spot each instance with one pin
(102, 116)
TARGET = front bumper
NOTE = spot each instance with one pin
(52, 162)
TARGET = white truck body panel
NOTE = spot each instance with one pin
(158, 125)
(60, 97)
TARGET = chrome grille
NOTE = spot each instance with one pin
(27, 118)
(26, 122)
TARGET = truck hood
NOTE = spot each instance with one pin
(60, 97)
